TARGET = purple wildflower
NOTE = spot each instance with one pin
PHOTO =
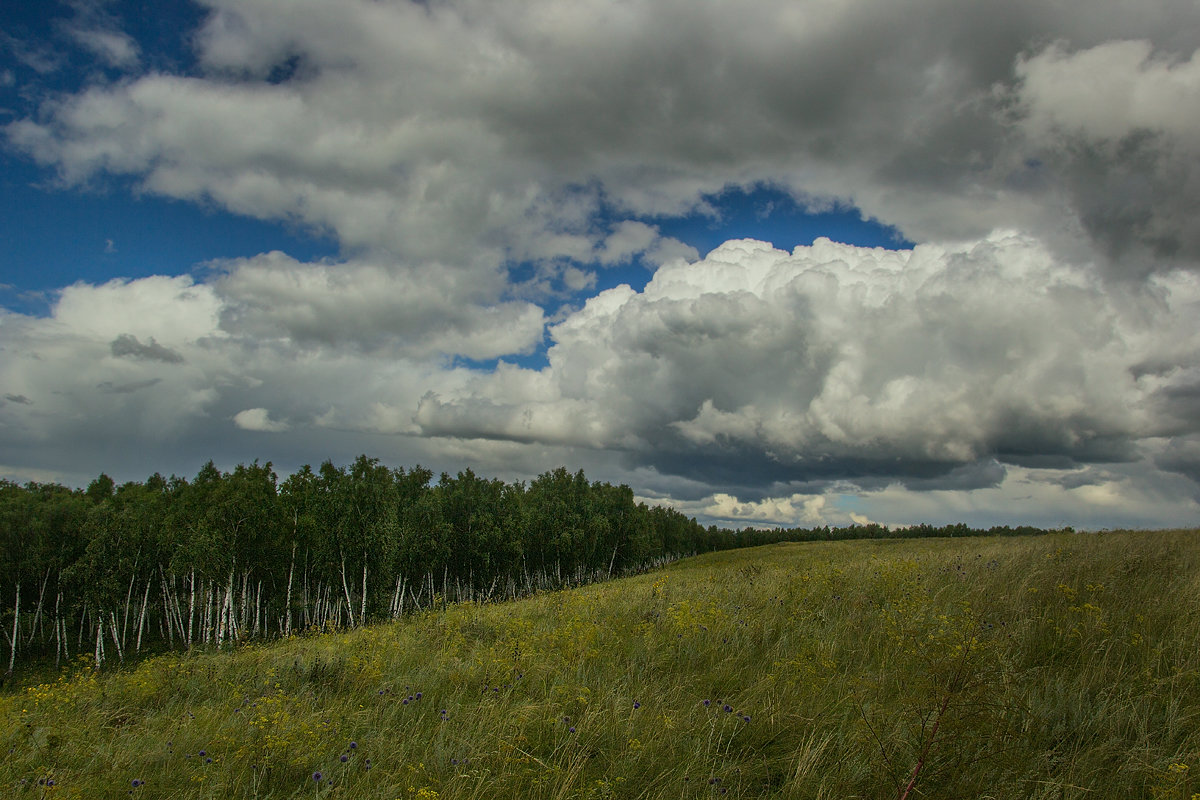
(344, 758)
(636, 705)
(354, 745)
(317, 777)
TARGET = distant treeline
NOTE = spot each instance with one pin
(750, 537)
(230, 556)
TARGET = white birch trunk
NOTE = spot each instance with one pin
(116, 637)
(362, 613)
(191, 609)
(346, 589)
(398, 597)
(99, 643)
(208, 612)
(287, 606)
(128, 600)
(166, 599)
(37, 616)
(12, 658)
(142, 616)
(231, 627)
(59, 631)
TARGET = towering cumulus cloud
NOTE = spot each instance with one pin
(486, 168)
(835, 362)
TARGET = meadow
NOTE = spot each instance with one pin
(1060, 666)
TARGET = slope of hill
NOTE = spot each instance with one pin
(1060, 666)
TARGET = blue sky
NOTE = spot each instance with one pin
(769, 265)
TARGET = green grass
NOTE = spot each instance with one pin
(1064, 666)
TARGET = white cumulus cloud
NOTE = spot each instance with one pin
(258, 419)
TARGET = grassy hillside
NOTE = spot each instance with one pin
(1053, 667)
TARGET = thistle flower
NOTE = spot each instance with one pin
(317, 777)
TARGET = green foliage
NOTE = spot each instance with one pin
(235, 556)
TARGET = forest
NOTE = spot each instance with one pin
(113, 571)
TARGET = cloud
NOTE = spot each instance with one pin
(1114, 121)
(127, 388)
(795, 510)
(517, 126)
(258, 419)
(39, 57)
(755, 386)
(129, 346)
(373, 306)
(479, 163)
(837, 363)
(136, 376)
(114, 48)
(96, 30)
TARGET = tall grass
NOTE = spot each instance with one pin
(1065, 666)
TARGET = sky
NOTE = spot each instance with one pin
(770, 262)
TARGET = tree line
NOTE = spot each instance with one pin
(109, 571)
(228, 556)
